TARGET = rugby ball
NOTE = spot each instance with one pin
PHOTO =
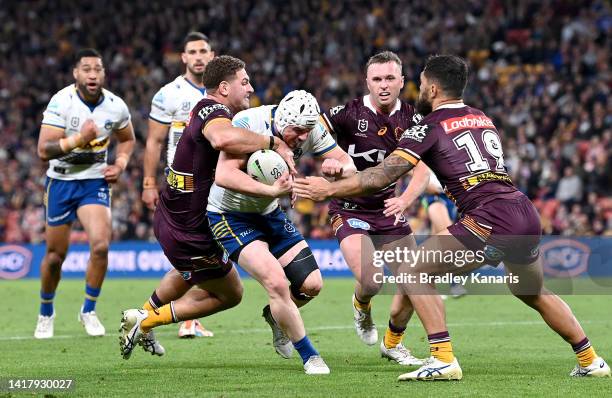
(266, 166)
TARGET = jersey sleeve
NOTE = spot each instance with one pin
(124, 115)
(214, 113)
(161, 110)
(415, 142)
(322, 141)
(335, 119)
(55, 113)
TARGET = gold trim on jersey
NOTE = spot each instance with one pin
(216, 120)
(180, 181)
(53, 127)
(96, 146)
(473, 180)
(406, 156)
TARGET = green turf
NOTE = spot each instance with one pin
(502, 346)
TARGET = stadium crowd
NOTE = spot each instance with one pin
(540, 69)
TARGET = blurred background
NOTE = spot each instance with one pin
(539, 69)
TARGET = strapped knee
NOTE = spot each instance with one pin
(298, 270)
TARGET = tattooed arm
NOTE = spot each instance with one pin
(366, 182)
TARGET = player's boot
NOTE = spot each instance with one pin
(130, 331)
(364, 325)
(458, 291)
(399, 354)
(150, 344)
(599, 368)
(434, 369)
(193, 328)
(44, 327)
(316, 366)
(281, 342)
(91, 323)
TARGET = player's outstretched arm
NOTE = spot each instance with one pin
(156, 136)
(225, 137)
(229, 175)
(416, 187)
(361, 184)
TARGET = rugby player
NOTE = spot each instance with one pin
(461, 145)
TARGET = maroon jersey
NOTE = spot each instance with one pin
(368, 137)
(461, 145)
(183, 200)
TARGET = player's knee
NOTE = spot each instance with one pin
(304, 275)
(235, 296)
(276, 286)
(99, 248)
(312, 285)
(55, 259)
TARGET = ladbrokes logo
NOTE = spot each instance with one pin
(466, 122)
(14, 262)
(565, 258)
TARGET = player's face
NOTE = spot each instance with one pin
(89, 76)
(295, 136)
(385, 82)
(423, 104)
(196, 55)
(240, 91)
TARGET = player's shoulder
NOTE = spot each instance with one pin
(257, 118)
(207, 106)
(65, 94)
(113, 100)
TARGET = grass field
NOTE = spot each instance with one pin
(503, 347)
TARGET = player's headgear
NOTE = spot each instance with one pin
(298, 108)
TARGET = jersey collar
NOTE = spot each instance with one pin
(367, 102)
(451, 106)
(89, 104)
(202, 90)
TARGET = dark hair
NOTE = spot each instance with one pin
(84, 53)
(221, 68)
(383, 58)
(194, 36)
(449, 71)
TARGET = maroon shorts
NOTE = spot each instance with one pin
(368, 222)
(194, 254)
(505, 229)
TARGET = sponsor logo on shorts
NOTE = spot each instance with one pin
(565, 257)
(58, 218)
(14, 261)
(493, 253)
(186, 275)
(358, 224)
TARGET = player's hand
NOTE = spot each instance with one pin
(283, 185)
(112, 173)
(287, 155)
(89, 131)
(314, 188)
(332, 168)
(150, 197)
(395, 207)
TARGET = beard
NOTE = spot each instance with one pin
(199, 75)
(423, 105)
(88, 93)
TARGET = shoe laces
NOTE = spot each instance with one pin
(92, 319)
(365, 320)
(316, 360)
(44, 322)
(403, 351)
